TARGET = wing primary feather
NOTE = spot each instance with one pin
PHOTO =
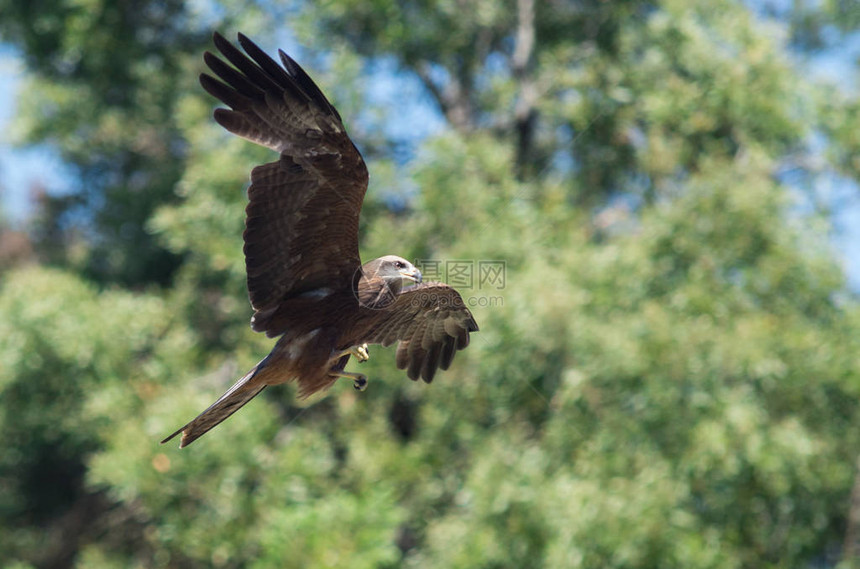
(223, 92)
(401, 359)
(431, 362)
(265, 82)
(416, 360)
(448, 351)
(413, 372)
(257, 75)
(269, 65)
(232, 77)
(462, 338)
(306, 83)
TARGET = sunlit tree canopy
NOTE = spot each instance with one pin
(627, 194)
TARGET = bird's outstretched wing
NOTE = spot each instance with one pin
(301, 230)
(431, 322)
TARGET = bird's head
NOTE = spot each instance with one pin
(382, 279)
(397, 271)
(393, 271)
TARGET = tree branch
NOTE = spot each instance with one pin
(522, 63)
(452, 98)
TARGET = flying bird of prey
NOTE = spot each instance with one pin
(305, 278)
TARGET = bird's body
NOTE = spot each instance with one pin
(305, 280)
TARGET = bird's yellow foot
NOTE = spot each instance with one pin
(359, 380)
(360, 353)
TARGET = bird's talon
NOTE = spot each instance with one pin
(361, 353)
(360, 383)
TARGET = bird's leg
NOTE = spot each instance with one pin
(359, 380)
(360, 353)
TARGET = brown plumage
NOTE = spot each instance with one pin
(305, 279)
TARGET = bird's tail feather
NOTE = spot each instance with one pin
(234, 398)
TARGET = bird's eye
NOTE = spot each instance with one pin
(398, 264)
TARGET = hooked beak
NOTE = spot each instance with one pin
(411, 274)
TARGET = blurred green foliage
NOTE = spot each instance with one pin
(668, 378)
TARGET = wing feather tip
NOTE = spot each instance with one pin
(205, 79)
(448, 350)
(414, 369)
(223, 115)
(401, 357)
